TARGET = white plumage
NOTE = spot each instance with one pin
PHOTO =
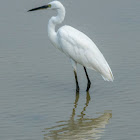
(81, 49)
(76, 45)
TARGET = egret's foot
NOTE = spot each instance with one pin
(88, 85)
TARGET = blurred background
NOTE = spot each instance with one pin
(37, 85)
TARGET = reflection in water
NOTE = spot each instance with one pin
(81, 128)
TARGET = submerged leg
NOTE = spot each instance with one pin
(76, 79)
(89, 83)
(86, 105)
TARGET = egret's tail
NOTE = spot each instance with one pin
(108, 75)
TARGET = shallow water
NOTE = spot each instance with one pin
(37, 87)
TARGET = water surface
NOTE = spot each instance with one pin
(37, 87)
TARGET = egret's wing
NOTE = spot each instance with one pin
(75, 44)
(82, 49)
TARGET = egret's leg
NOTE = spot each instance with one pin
(89, 83)
(76, 79)
(74, 65)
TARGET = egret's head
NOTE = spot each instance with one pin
(52, 5)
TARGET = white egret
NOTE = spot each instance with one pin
(76, 45)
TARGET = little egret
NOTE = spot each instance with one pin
(76, 45)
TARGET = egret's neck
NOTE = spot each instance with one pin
(53, 22)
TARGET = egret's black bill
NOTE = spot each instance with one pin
(39, 8)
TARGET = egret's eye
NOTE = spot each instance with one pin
(49, 5)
